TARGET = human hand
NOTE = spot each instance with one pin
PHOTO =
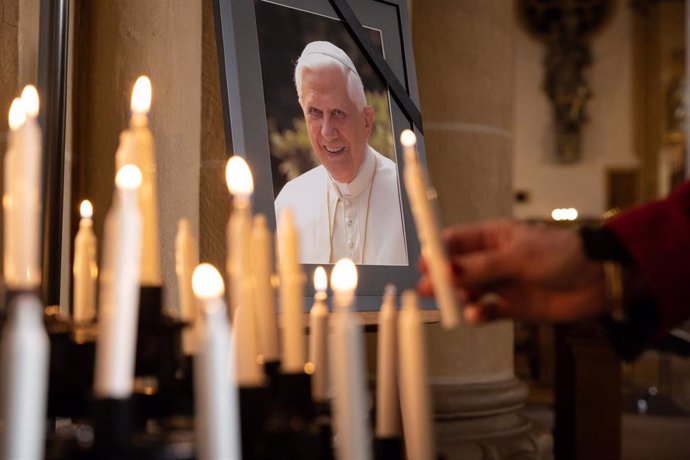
(529, 272)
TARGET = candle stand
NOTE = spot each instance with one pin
(253, 410)
(388, 449)
(280, 420)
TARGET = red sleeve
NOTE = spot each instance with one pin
(657, 236)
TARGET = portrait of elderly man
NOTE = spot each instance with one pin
(349, 205)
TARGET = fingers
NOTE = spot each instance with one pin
(426, 288)
(488, 308)
(482, 270)
(467, 238)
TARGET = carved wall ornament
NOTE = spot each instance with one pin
(565, 26)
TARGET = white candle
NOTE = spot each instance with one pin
(241, 185)
(418, 423)
(318, 335)
(387, 398)
(11, 199)
(249, 371)
(217, 409)
(353, 438)
(186, 259)
(137, 148)
(85, 268)
(119, 290)
(261, 259)
(22, 199)
(25, 350)
(429, 233)
(291, 295)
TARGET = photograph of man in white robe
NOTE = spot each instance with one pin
(349, 206)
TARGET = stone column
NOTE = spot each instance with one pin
(464, 59)
(115, 42)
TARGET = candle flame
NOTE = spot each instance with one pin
(238, 176)
(141, 95)
(344, 276)
(320, 279)
(17, 114)
(407, 138)
(86, 209)
(128, 177)
(207, 282)
(30, 100)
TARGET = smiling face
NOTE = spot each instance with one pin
(338, 130)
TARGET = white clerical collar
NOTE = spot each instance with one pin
(361, 180)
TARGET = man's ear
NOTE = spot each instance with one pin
(369, 118)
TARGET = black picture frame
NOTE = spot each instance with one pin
(244, 113)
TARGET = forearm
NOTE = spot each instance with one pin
(657, 237)
(652, 246)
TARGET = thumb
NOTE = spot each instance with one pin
(482, 268)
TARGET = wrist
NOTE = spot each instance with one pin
(613, 284)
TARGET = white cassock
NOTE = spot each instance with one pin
(361, 220)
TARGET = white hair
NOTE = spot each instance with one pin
(325, 55)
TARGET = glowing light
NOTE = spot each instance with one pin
(128, 177)
(141, 95)
(344, 276)
(320, 279)
(568, 214)
(86, 209)
(30, 100)
(408, 138)
(17, 115)
(238, 176)
(207, 282)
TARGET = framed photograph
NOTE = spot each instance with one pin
(307, 104)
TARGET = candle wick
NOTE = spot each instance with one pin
(138, 120)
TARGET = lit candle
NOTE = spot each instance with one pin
(263, 290)
(241, 185)
(387, 398)
(85, 268)
(318, 334)
(119, 290)
(137, 148)
(415, 399)
(249, 371)
(22, 200)
(291, 295)
(217, 408)
(353, 439)
(31, 187)
(11, 198)
(186, 259)
(25, 350)
(429, 234)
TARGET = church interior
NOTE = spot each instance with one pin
(560, 113)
